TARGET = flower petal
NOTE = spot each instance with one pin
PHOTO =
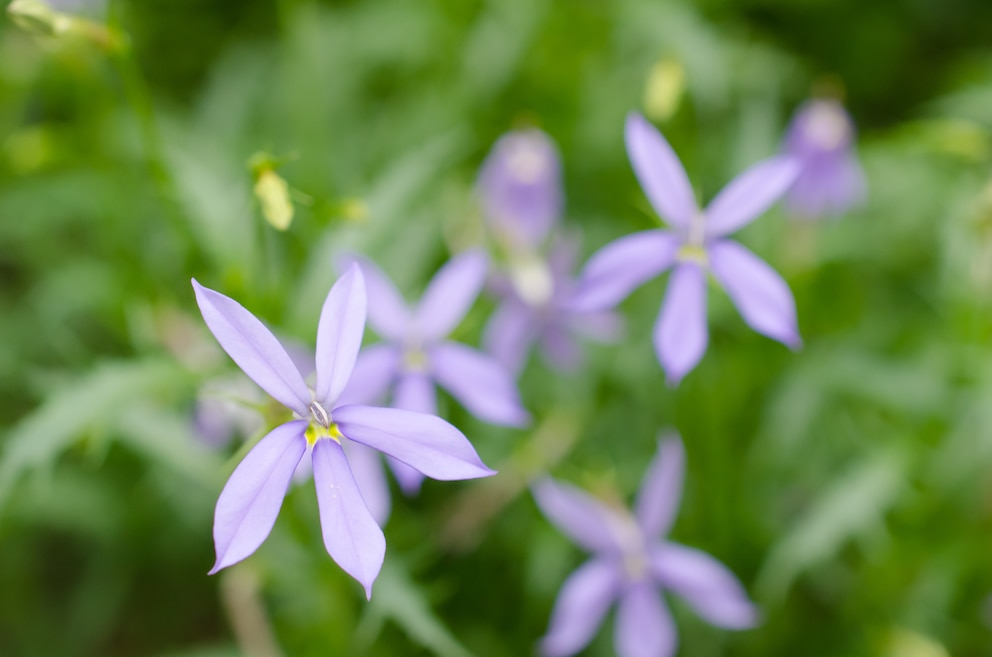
(661, 491)
(560, 349)
(424, 442)
(351, 536)
(762, 297)
(376, 367)
(705, 583)
(249, 504)
(415, 392)
(583, 601)
(681, 334)
(644, 627)
(480, 383)
(409, 479)
(748, 195)
(660, 172)
(580, 516)
(339, 335)
(253, 348)
(616, 269)
(389, 315)
(510, 334)
(370, 475)
(450, 294)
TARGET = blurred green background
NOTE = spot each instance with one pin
(849, 485)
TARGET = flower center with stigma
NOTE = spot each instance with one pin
(694, 249)
(532, 279)
(321, 425)
(632, 546)
(827, 126)
(415, 359)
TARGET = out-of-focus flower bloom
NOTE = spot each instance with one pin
(697, 244)
(830, 180)
(520, 188)
(535, 308)
(251, 499)
(631, 563)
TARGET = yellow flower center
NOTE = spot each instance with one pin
(321, 425)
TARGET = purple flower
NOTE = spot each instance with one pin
(251, 499)
(697, 244)
(520, 187)
(830, 181)
(631, 563)
(536, 308)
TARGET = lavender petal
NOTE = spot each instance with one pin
(351, 536)
(376, 368)
(339, 335)
(450, 294)
(660, 172)
(661, 491)
(749, 195)
(479, 383)
(510, 334)
(366, 466)
(583, 601)
(389, 315)
(409, 479)
(424, 442)
(581, 517)
(622, 265)
(705, 583)
(644, 627)
(415, 392)
(253, 347)
(681, 334)
(249, 504)
(760, 294)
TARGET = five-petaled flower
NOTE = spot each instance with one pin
(251, 499)
(697, 244)
(830, 181)
(631, 562)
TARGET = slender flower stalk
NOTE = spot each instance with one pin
(831, 181)
(696, 244)
(632, 563)
(250, 501)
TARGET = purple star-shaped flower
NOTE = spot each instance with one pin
(821, 138)
(251, 499)
(631, 563)
(697, 244)
(536, 309)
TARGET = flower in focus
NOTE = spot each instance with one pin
(535, 308)
(632, 562)
(830, 181)
(250, 501)
(520, 188)
(696, 244)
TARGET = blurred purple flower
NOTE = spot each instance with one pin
(520, 187)
(830, 181)
(631, 563)
(697, 244)
(536, 308)
(251, 499)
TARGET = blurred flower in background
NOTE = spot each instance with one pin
(830, 181)
(632, 561)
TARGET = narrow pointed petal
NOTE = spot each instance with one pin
(681, 334)
(351, 536)
(479, 383)
(762, 297)
(644, 627)
(705, 583)
(450, 295)
(249, 504)
(510, 334)
(580, 516)
(375, 369)
(253, 347)
(618, 268)
(415, 392)
(749, 195)
(583, 601)
(370, 475)
(661, 491)
(660, 172)
(339, 335)
(424, 442)
(389, 315)
(560, 349)
(409, 479)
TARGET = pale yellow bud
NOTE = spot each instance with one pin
(664, 89)
(272, 193)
